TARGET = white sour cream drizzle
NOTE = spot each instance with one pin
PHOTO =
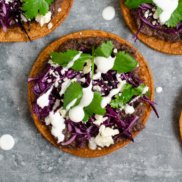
(168, 7)
(106, 100)
(64, 86)
(43, 100)
(77, 113)
(103, 65)
(58, 125)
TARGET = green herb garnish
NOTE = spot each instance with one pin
(104, 50)
(126, 95)
(136, 3)
(176, 17)
(32, 8)
(79, 63)
(124, 63)
(95, 106)
(63, 58)
(74, 91)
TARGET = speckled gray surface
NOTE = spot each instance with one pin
(156, 154)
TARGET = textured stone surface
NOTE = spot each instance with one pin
(156, 154)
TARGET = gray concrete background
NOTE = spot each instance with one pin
(156, 154)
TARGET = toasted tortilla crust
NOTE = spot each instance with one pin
(38, 66)
(15, 34)
(180, 125)
(157, 44)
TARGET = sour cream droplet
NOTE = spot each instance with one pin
(76, 114)
(108, 13)
(7, 142)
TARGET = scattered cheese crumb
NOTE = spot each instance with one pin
(129, 109)
(104, 138)
(59, 9)
(99, 119)
(50, 25)
(44, 19)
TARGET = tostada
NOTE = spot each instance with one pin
(24, 20)
(90, 93)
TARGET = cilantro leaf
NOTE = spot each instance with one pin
(32, 8)
(104, 50)
(127, 94)
(74, 91)
(79, 63)
(63, 58)
(176, 17)
(95, 106)
(136, 3)
(124, 63)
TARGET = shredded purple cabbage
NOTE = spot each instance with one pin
(80, 133)
(10, 14)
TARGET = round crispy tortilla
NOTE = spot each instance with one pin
(38, 66)
(154, 43)
(15, 34)
(180, 125)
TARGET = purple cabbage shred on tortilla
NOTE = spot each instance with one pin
(80, 133)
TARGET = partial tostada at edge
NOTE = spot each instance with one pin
(26, 20)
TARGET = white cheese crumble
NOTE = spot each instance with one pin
(43, 19)
(99, 119)
(92, 145)
(104, 138)
(129, 109)
(58, 125)
(50, 25)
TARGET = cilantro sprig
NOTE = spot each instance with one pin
(136, 3)
(126, 95)
(123, 62)
(32, 8)
(74, 91)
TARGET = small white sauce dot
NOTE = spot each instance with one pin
(159, 89)
(108, 13)
(7, 142)
(59, 9)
